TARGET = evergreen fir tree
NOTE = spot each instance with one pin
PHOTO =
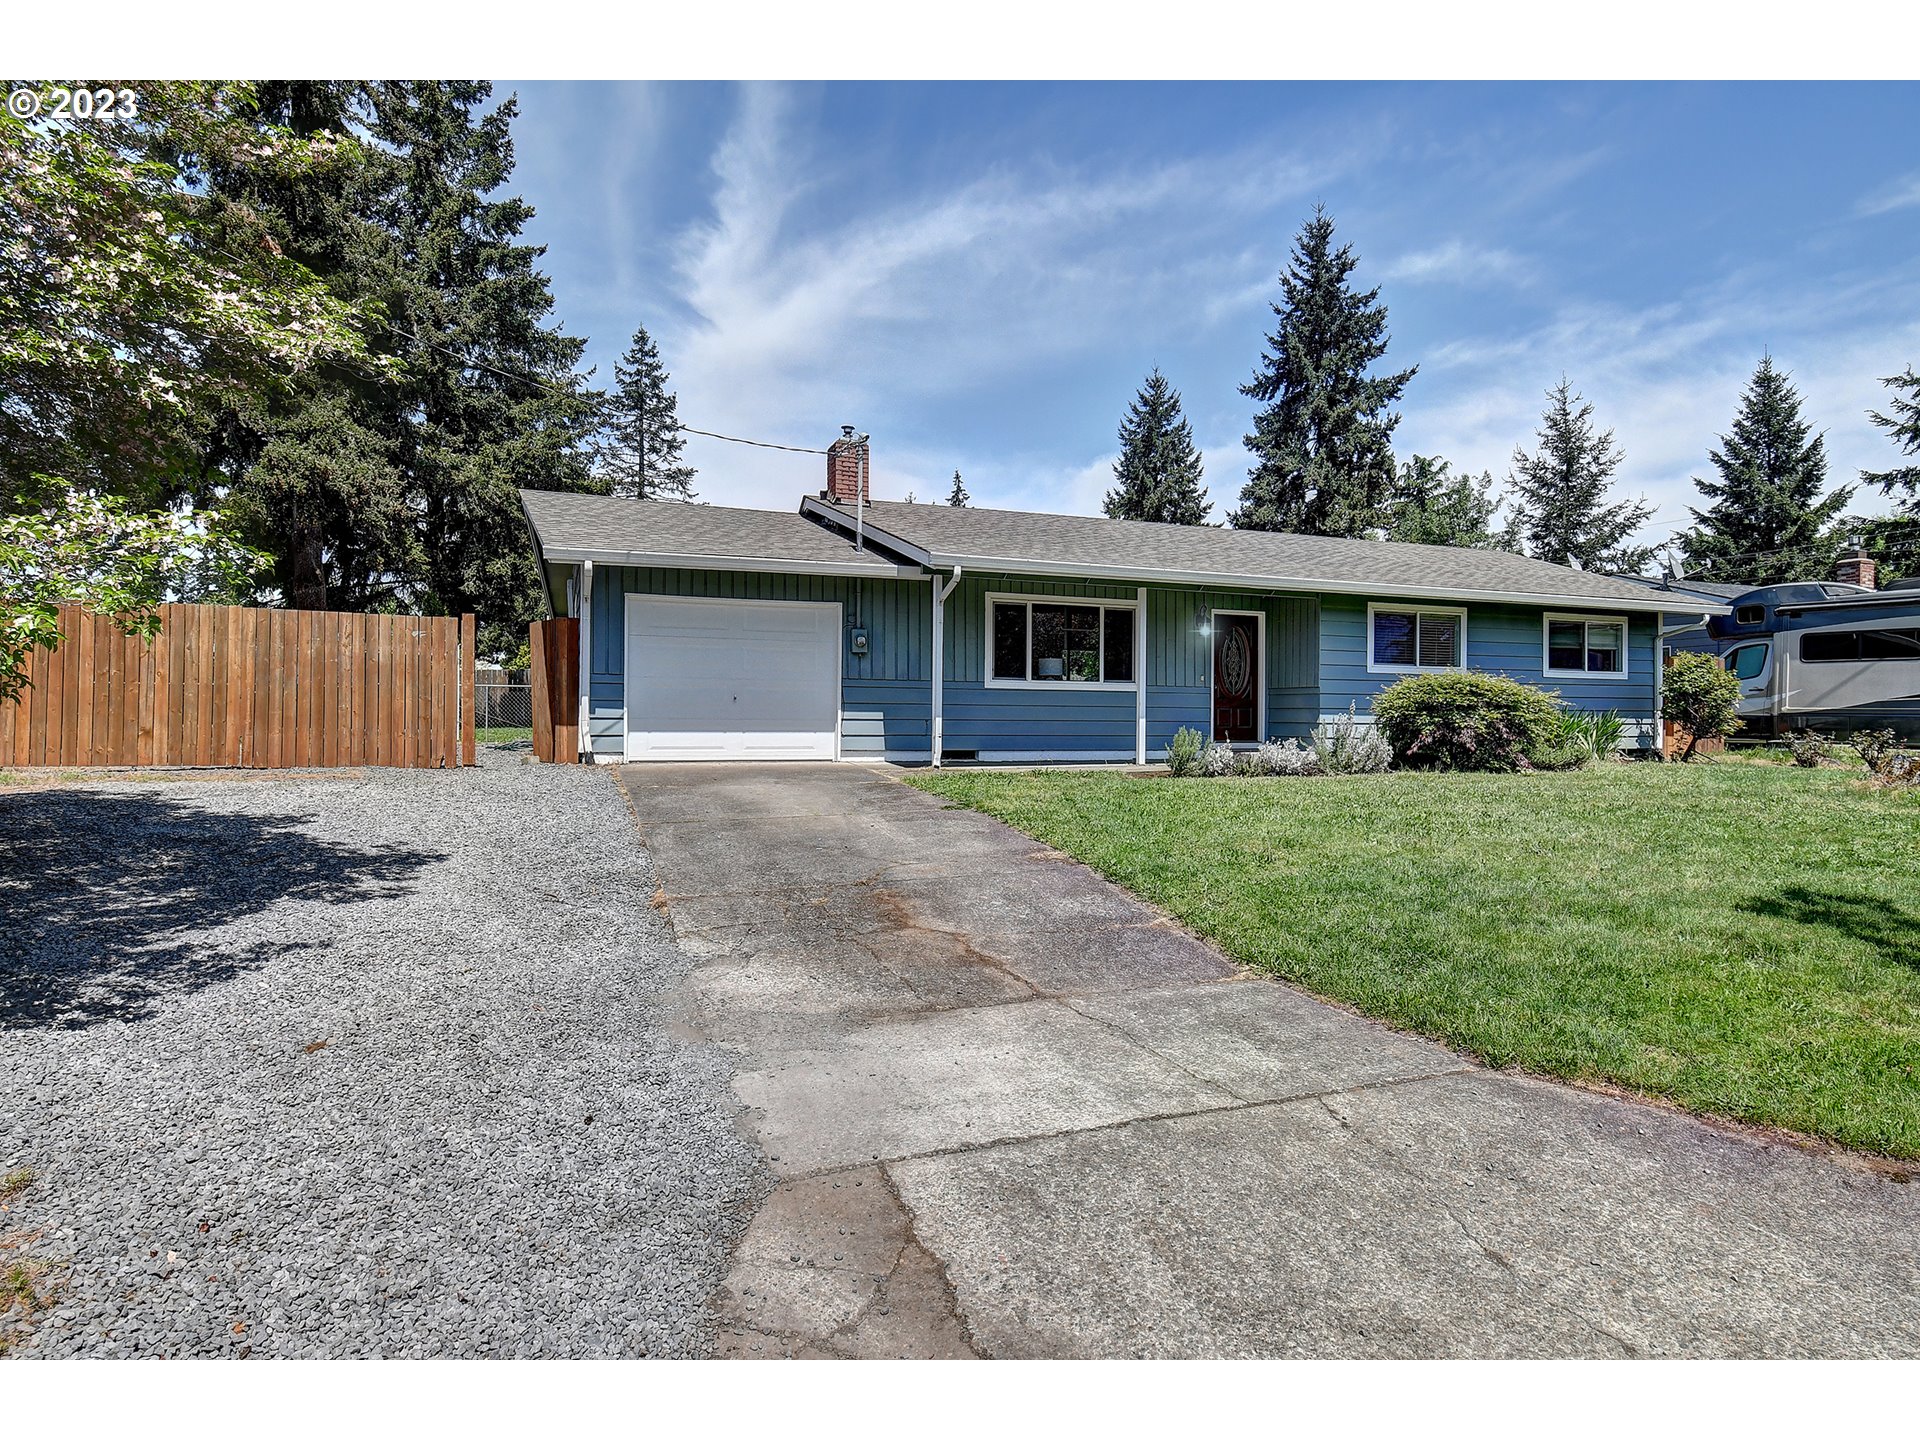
(397, 487)
(1158, 474)
(1322, 443)
(958, 496)
(1769, 521)
(1903, 428)
(1559, 493)
(1433, 506)
(643, 426)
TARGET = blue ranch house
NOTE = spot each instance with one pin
(926, 633)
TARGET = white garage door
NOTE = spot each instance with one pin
(732, 679)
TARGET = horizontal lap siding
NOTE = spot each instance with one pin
(1501, 640)
(884, 701)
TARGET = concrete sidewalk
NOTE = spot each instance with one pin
(1016, 1112)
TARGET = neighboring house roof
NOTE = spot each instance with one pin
(679, 534)
(1021, 542)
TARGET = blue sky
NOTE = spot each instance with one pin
(980, 275)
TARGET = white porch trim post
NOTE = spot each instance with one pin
(1140, 676)
(585, 718)
(936, 723)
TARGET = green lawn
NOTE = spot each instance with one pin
(503, 735)
(1742, 938)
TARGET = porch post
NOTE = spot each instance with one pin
(1140, 677)
(586, 660)
(936, 725)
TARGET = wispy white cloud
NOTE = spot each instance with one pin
(1899, 194)
(813, 298)
(1459, 262)
(1666, 378)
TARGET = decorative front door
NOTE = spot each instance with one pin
(1236, 679)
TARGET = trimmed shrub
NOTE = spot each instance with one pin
(1346, 747)
(1288, 757)
(1700, 696)
(1217, 760)
(1463, 720)
(1809, 749)
(1183, 751)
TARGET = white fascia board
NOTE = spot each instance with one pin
(1136, 574)
(757, 563)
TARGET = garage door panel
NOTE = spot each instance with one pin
(732, 679)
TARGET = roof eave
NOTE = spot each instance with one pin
(1142, 574)
(767, 564)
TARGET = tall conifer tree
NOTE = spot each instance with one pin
(1559, 493)
(958, 496)
(1769, 520)
(398, 487)
(643, 424)
(1903, 428)
(1158, 474)
(1433, 506)
(1323, 440)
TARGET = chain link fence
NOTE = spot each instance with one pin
(502, 705)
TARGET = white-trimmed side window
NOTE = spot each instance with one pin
(1583, 645)
(1416, 637)
(1041, 641)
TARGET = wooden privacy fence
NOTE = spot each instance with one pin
(556, 690)
(229, 685)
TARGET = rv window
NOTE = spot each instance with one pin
(1747, 661)
(1861, 645)
(1750, 614)
(1890, 644)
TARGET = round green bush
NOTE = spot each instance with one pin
(1463, 720)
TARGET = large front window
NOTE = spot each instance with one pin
(1585, 645)
(1041, 641)
(1415, 638)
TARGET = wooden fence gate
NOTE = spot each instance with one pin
(556, 690)
(230, 685)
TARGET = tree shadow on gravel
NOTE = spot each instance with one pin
(109, 902)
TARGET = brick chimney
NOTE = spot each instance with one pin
(1857, 569)
(848, 469)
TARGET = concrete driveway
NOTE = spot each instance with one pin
(1015, 1112)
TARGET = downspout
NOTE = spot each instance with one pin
(1140, 676)
(937, 730)
(584, 721)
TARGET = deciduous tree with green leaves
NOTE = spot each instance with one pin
(643, 424)
(1432, 506)
(1770, 520)
(1322, 441)
(135, 300)
(60, 545)
(1158, 475)
(1560, 492)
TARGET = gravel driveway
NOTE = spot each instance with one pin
(370, 1063)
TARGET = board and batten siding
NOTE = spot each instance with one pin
(885, 706)
(1501, 640)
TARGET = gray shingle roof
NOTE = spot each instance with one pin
(989, 540)
(614, 531)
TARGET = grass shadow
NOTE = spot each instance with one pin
(111, 902)
(1887, 927)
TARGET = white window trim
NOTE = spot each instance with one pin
(1626, 645)
(1001, 598)
(1416, 609)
